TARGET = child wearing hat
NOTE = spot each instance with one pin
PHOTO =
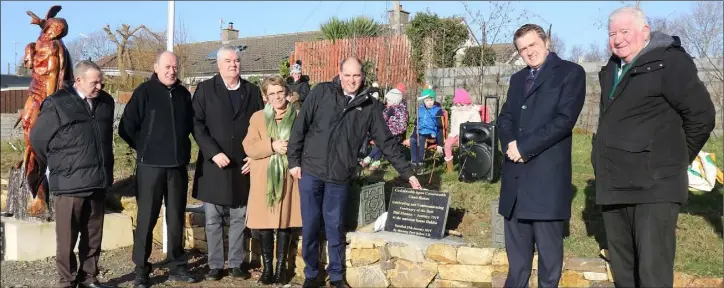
(395, 114)
(428, 126)
(462, 111)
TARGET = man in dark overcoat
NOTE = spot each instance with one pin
(655, 117)
(536, 124)
(222, 108)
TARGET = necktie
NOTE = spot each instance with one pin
(530, 80)
(88, 105)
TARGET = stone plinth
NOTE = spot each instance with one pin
(28, 240)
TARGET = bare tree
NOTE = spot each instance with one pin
(557, 45)
(661, 24)
(498, 25)
(594, 53)
(702, 34)
(577, 52)
(93, 46)
(121, 39)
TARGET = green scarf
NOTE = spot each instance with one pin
(277, 171)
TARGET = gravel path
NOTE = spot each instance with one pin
(116, 268)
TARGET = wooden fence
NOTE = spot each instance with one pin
(12, 100)
(390, 55)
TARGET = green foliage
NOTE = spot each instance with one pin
(368, 67)
(284, 68)
(256, 80)
(446, 36)
(359, 26)
(472, 56)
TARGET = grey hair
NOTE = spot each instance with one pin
(83, 66)
(638, 15)
(227, 48)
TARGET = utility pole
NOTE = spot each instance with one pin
(637, 4)
(169, 47)
(15, 59)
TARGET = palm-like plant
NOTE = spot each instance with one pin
(334, 29)
(360, 26)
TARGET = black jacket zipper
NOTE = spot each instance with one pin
(173, 126)
(99, 148)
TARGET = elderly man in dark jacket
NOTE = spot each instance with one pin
(655, 117)
(536, 133)
(324, 142)
(157, 123)
(74, 137)
(222, 108)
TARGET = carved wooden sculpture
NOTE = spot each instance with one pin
(50, 63)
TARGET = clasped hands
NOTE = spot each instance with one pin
(221, 161)
(513, 153)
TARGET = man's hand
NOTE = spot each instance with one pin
(513, 153)
(439, 149)
(414, 183)
(247, 166)
(280, 147)
(221, 160)
(296, 172)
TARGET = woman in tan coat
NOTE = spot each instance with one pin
(274, 194)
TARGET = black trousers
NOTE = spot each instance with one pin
(154, 185)
(520, 237)
(642, 243)
(78, 216)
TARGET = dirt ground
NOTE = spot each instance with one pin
(116, 268)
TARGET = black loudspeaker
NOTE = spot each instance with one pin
(479, 156)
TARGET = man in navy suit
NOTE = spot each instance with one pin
(536, 124)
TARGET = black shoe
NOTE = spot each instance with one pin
(94, 285)
(142, 282)
(338, 284)
(182, 275)
(283, 239)
(237, 272)
(267, 256)
(311, 283)
(213, 275)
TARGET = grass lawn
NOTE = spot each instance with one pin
(699, 235)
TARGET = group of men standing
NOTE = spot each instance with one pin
(655, 116)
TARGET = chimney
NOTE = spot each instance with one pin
(229, 33)
(398, 18)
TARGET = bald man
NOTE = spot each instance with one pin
(157, 123)
(322, 152)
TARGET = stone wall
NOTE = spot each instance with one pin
(385, 259)
(7, 120)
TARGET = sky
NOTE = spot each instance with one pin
(573, 21)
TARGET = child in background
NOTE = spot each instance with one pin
(462, 111)
(428, 126)
(395, 114)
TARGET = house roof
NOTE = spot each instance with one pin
(504, 52)
(13, 81)
(262, 53)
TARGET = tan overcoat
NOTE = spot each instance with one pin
(285, 214)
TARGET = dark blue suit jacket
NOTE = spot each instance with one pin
(541, 122)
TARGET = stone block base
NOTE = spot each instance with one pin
(34, 240)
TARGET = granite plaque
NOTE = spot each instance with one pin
(364, 205)
(418, 212)
(498, 228)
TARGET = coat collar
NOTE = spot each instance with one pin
(547, 70)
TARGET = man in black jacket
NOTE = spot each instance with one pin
(325, 139)
(157, 124)
(222, 108)
(655, 117)
(74, 137)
